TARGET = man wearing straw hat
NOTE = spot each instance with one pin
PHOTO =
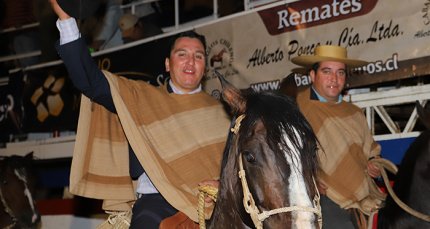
(346, 142)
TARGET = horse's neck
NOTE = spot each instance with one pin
(229, 205)
(225, 215)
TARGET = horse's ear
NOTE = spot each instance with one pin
(423, 114)
(29, 155)
(232, 95)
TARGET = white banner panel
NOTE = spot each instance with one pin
(254, 49)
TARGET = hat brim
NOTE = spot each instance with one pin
(79, 9)
(308, 61)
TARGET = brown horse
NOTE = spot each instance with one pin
(17, 182)
(411, 184)
(273, 148)
(217, 57)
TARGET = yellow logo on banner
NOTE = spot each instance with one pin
(47, 98)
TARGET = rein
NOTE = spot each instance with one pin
(249, 203)
(384, 164)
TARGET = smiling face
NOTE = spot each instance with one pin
(329, 79)
(186, 63)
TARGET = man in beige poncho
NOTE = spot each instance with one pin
(346, 142)
(177, 132)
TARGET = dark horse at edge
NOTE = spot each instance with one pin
(278, 150)
(411, 184)
(17, 185)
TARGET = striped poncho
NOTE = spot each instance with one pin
(178, 139)
(347, 144)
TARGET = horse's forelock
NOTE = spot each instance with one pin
(280, 115)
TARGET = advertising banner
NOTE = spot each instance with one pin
(255, 49)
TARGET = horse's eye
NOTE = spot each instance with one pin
(249, 157)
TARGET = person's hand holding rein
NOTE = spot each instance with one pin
(373, 170)
(58, 10)
(213, 183)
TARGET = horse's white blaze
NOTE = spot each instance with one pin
(297, 189)
(27, 194)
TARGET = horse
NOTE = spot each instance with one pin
(411, 184)
(273, 148)
(217, 57)
(17, 183)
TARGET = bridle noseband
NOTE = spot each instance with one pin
(249, 203)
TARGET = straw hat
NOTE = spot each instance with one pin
(79, 9)
(328, 53)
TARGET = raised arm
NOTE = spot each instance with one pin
(83, 71)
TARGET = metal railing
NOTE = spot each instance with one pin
(379, 102)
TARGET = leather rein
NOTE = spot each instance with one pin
(384, 164)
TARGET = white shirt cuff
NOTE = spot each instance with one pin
(69, 30)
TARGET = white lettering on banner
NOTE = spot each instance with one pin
(7, 107)
(266, 86)
(314, 14)
(302, 80)
(378, 66)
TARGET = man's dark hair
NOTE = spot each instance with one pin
(317, 65)
(189, 34)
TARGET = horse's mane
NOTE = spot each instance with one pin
(15, 161)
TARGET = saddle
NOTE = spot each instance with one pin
(178, 221)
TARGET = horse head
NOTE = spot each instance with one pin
(273, 149)
(17, 183)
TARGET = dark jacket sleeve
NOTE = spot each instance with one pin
(88, 78)
(84, 72)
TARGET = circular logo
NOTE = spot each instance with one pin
(220, 54)
(220, 58)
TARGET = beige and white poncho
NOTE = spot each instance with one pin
(178, 139)
(347, 144)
